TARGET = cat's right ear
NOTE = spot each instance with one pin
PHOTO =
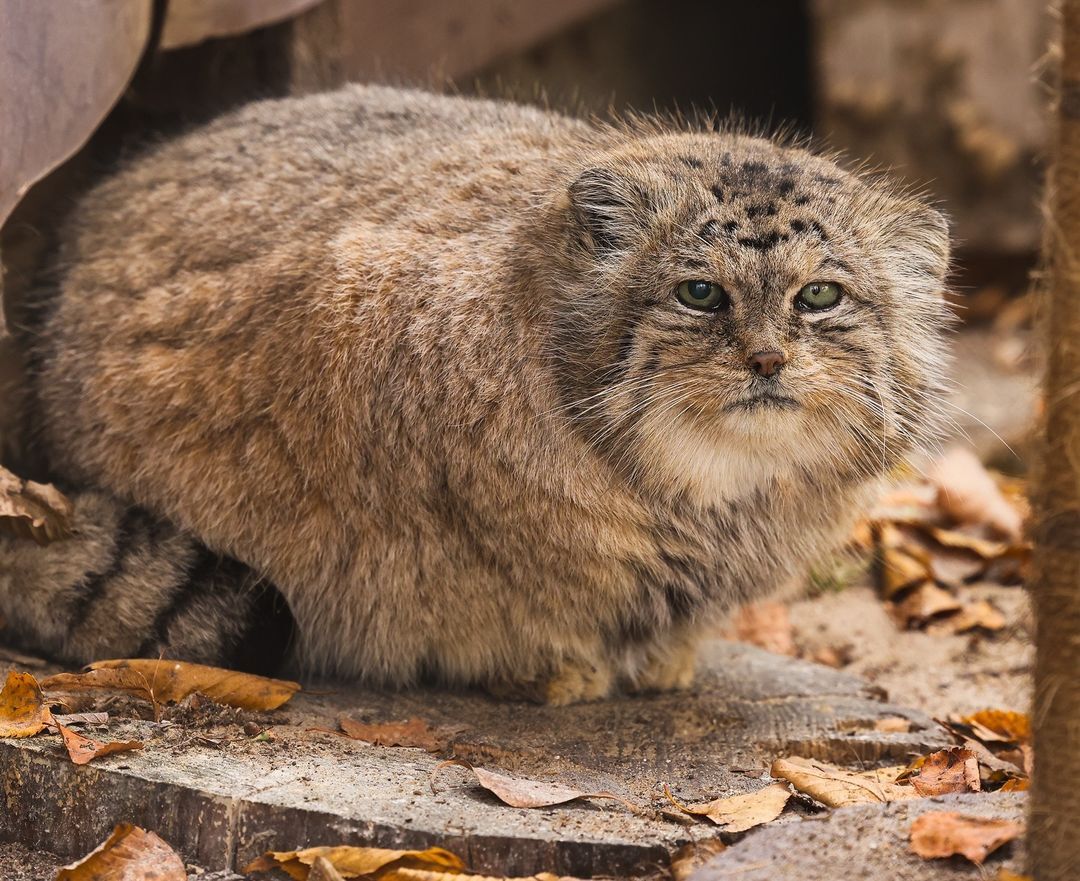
(609, 209)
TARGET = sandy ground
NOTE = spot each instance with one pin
(938, 674)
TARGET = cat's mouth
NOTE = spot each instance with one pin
(763, 402)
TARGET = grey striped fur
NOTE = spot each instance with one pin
(128, 584)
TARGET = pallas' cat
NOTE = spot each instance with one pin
(489, 395)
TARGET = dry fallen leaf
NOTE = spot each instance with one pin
(165, 681)
(948, 770)
(837, 787)
(737, 813)
(903, 567)
(691, 857)
(129, 854)
(33, 510)
(968, 493)
(520, 792)
(939, 834)
(998, 726)
(982, 548)
(407, 874)
(412, 733)
(980, 614)
(355, 862)
(924, 603)
(323, 870)
(83, 749)
(23, 712)
(766, 625)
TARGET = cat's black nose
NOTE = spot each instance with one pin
(766, 363)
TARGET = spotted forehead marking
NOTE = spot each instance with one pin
(757, 192)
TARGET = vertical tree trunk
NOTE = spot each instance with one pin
(1055, 839)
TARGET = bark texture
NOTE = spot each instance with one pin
(1055, 842)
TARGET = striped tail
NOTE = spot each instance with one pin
(127, 584)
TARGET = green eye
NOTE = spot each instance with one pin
(818, 295)
(702, 295)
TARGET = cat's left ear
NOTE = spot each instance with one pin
(921, 233)
(609, 208)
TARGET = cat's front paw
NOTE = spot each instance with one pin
(669, 669)
(572, 681)
(578, 680)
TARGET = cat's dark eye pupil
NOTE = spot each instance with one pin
(818, 295)
(701, 296)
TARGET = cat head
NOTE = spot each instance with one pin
(723, 308)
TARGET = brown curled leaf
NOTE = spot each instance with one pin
(82, 749)
(33, 510)
(941, 834)
(947, 770)
(415, 733)
(129, 854)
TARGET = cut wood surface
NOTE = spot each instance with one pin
(223, 798)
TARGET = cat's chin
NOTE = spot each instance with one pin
(728, 457)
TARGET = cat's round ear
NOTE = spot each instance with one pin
(922, 233)
(608, 208)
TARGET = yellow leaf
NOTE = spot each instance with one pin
(165, 681)
(354, 862)
(902, 567)
(22, 707)
(924, 603)
(737, 813)
(1005, 726)
(691, 857)
(969, 495)
(837, 787)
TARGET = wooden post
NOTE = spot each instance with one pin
(1054, 841)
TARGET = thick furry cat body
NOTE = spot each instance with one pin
(417, 361)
